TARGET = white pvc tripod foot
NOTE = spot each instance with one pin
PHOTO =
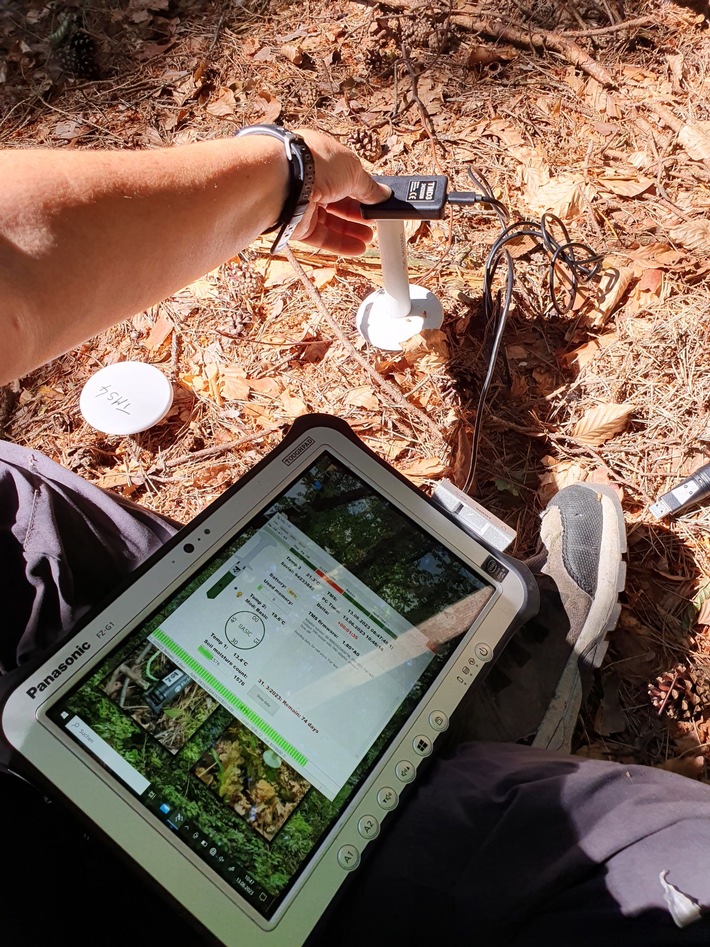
(394, 314)
(382, 327)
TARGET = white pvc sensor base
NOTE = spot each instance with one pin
(379, 325)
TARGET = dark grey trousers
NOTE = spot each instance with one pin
(498, 845)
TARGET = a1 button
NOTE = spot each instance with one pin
(483, 651)
(422, 745)
(348, 857)
(405, 771)
(368, 826)
(387, 798)
(438, 721)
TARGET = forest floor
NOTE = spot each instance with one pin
(598, 111)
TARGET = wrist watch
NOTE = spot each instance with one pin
(301, 177)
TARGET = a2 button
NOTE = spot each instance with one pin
(368, 827)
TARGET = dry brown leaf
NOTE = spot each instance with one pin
(322, 276)
(602, 423)
(650, 289)
(424, 468)
(118, 479)
(159, 332)
(362, 397)
(533, 171)
(503, 129)
(625, 185)
(430, 92)
(224, 105)
(293, 405)
(562, 195)
(614, 281)
(250, 45)
(580, 357)
(212, 475)
(601, 476)
(292, 53)
(487, 56)
(388, 447)
(651, 281)
(70, 131)
(271, 107)
(696, 140)
(277, 272)
(559, 474)
(47, 393)
(265, 54)
(657, 255)
(235, 386)
(517, 351)
(693, 235)
(691, 766)
(704, 613)
(265, 386)
(428, 351)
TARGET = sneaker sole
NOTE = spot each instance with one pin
(555, 731)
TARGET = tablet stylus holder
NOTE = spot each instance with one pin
(393, 314)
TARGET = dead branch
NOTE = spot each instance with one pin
(498, 28)
(539, 39)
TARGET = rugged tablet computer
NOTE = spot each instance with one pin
(245, 714)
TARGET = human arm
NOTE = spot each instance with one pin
(90, 238)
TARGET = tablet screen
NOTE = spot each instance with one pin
(246, 711)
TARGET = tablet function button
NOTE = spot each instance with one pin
(483, 651)
(387, 798)
(422, 745)
(348, 857)
(438, 721)
(368, 827)
(405, 771)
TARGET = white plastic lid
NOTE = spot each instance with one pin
(126, 398)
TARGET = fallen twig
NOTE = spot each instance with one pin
(423, 113)
(394, 393)
(217, 449)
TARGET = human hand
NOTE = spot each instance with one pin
(333, 220)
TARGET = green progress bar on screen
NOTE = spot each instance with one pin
(231, 698)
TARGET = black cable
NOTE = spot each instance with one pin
(563, 263)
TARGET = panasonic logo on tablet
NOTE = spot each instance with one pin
(295, 454)
(59, 670)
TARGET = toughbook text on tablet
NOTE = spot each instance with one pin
(244, 716)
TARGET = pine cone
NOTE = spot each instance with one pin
(247, 281)
(680, 693)
(380, 61)
(308, 95)
(77, 55)
(366, 144)
(415, 33)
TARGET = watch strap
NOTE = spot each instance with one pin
(301, 178)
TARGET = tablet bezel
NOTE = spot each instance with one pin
(104, 800)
